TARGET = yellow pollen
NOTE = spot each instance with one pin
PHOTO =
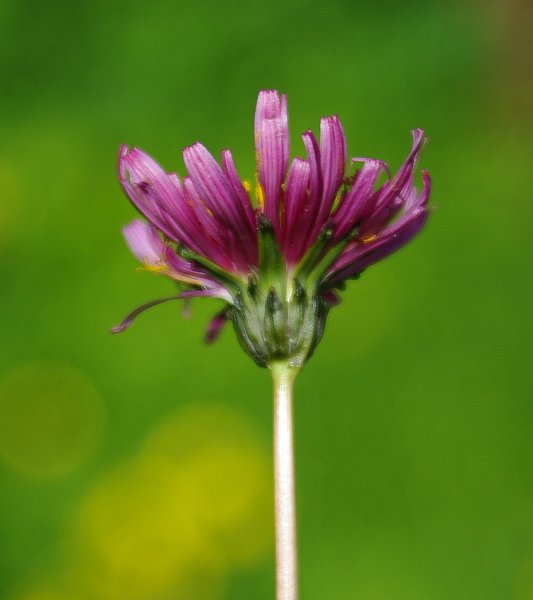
(259, 193)
(153, 268)
(369, 238)
(247, 186)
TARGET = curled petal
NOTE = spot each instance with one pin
(216, 325)
(355, 202)
(315, 173)
(160, 198)
(135, 313)
(150, 189)
(212, 293)
(360, 255)
(387, 201)
(272, 149)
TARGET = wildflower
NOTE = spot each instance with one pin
(278, 260)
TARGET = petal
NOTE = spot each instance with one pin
(146, 245)
(332, 155)
(361, 255)
(210, 235)
(160, 197)
(332, 164)
(149, 188)
(215, 190)
(307, 219)
(332, 298)
(330, 161)
(384, 247)
(144, 242)
(215, 326)
(315, 173)
(139, 310)
(355, 202)
(238, 187)
(219, 292)
(148, 248)
(272, 149)
(296, 198)
(392, 195)
(212, 183)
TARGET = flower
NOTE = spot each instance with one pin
(277, 262)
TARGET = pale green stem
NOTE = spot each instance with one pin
(285, 506)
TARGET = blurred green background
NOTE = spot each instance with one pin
(137, 467)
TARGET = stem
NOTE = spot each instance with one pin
(285, 508)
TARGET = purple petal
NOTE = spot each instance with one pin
(315, 173)
(210, 235)
(307, 218)
(144, 243)
(331, 297)
(212, 183)
(416, 203)
(355, 202)
(130, 318)
(272, 149)
(149, 249)
(135, 313)
(332, 164)
(391, 197)
(215, 326)
(159, 197)
(296, 197)
(238, 188)
(378, 250)
(216, 191)
(149, 187)
(208, 293)
(332, 155)
(361, 255)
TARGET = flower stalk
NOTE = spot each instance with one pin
(284, 485)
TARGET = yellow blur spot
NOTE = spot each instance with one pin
(51, 419)
(173, 522)
(45, 594)
(247, 185)
(524, 579)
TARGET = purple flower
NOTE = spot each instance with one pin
(278, 259)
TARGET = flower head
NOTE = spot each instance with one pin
(277, 259)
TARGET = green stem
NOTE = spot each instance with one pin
(285, 507)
